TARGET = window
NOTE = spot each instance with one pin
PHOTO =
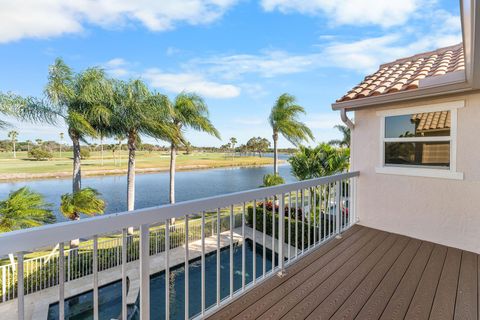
(420, 141)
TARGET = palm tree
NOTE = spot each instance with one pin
(188, 111)
(61, 143)
(82, 100)
(39, 142)
(24, 209)
(85, 201)
(138, 111)
(270, 180)
(233, 142)
(28, 145)
(25, 109)
(345, 141)
(323, 160)
(13, 137)
(284, 120)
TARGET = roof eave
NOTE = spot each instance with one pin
(400, 96)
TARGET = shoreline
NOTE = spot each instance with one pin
(14, 177)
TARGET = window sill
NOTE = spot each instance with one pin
(420, 172)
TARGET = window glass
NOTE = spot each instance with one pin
(425, 124)
(433, 154)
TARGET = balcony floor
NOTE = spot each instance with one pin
(368, 274)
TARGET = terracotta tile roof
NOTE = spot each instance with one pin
(405, 74)
(429, 121)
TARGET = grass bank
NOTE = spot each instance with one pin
(60, 166)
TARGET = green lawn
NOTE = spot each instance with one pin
(93, 165)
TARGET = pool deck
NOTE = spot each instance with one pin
(368, 274)
(37, 304)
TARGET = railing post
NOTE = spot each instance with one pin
(281, 235)
(144, 273)
(338, 209)
(4, 283)
(124, 273)
(61, 281)
(95, 278)
(20, 288)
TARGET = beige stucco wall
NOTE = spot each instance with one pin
(438, 210)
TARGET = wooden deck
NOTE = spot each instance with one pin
(368, 274)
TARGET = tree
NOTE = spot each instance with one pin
(40, 154)
(24, 209)
(86, 201)
(323, 160)
(25, 109)
(270, 180)
(138, 111)
(284, 120)
(39, 143)
(233, 142)
(82, 100)
(345, 141)
(258, 145)
(61, 143)
(13, 138)
(28, 145)
(187, 111)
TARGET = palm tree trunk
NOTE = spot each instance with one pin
(14, 151)
(275, 155)
(77, 171)
(131, 172)
(101, 148)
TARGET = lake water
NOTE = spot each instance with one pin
(152, 188)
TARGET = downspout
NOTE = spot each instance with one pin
(346, 119)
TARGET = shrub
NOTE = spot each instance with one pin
(84, 154)
(270, 180)
(39, 154)
(268, 226)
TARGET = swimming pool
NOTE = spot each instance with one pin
(81, 307)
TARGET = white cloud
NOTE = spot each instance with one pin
(268, 64)
(117, 67)
(50, 18)
(351, 12)
(190, 82)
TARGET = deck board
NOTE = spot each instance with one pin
(371, 296)
(335, 259)
(373, 266)
(368, 274)
(421, 304)
(444, 303)
(371, 252)
(466, 304)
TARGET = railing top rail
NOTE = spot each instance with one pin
(30, 239)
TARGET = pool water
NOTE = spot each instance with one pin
(81, 307)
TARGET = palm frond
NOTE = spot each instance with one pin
(86, 201)
(284, 120)
(24, 209)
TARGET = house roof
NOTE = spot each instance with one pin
(432, 121)
(406, 73)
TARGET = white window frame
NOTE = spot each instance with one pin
(446, 173)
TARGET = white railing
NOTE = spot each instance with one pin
(301, 216)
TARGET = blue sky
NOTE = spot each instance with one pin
(239, 54)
